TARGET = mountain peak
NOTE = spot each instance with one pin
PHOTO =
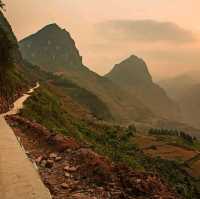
(132, 57)
(52, 26)
(134, 61)
(132, 70)
(53, 29)
(51, 48)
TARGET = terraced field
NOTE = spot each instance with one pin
(154, 147)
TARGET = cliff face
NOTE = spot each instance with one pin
(11, 82)
(132, 75)
(52, 48)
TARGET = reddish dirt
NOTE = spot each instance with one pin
(194, 169)
(75, 171)
(146, 141)
(171, 152)
(155, 148)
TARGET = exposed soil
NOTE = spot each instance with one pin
(155, 148)
(72, 170)
(171, 152)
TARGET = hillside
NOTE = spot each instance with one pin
(58, 53)
(90, 146)
(132, 75)
(12, 83)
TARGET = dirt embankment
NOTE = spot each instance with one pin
(72, 170)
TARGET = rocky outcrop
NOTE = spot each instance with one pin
(132, 75)
(52, 48)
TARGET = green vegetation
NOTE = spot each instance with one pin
(172, 172)
(45, 108)
(11, 81)
(84, 97)
(113, 141)
(48, 109)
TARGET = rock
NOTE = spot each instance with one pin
(65, 185)
(49, 163)
(58, 158)
(138, 181)
(80, 196)
(67, 175)
(39, 159)
(70, 169)
(53, 155)
(43, 163)
(66, 168)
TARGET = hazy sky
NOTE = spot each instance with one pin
(165, 33)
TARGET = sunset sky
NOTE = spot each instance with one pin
(165, 33)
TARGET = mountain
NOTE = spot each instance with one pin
(54, 43)
(176, 86)
(53, 49)
(185, 89)
(12, 83)
(133, 76)
(189, 101)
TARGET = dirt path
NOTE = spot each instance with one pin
(18, 177)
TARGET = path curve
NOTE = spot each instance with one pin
(18, 177)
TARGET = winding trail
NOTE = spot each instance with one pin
(18, 177)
